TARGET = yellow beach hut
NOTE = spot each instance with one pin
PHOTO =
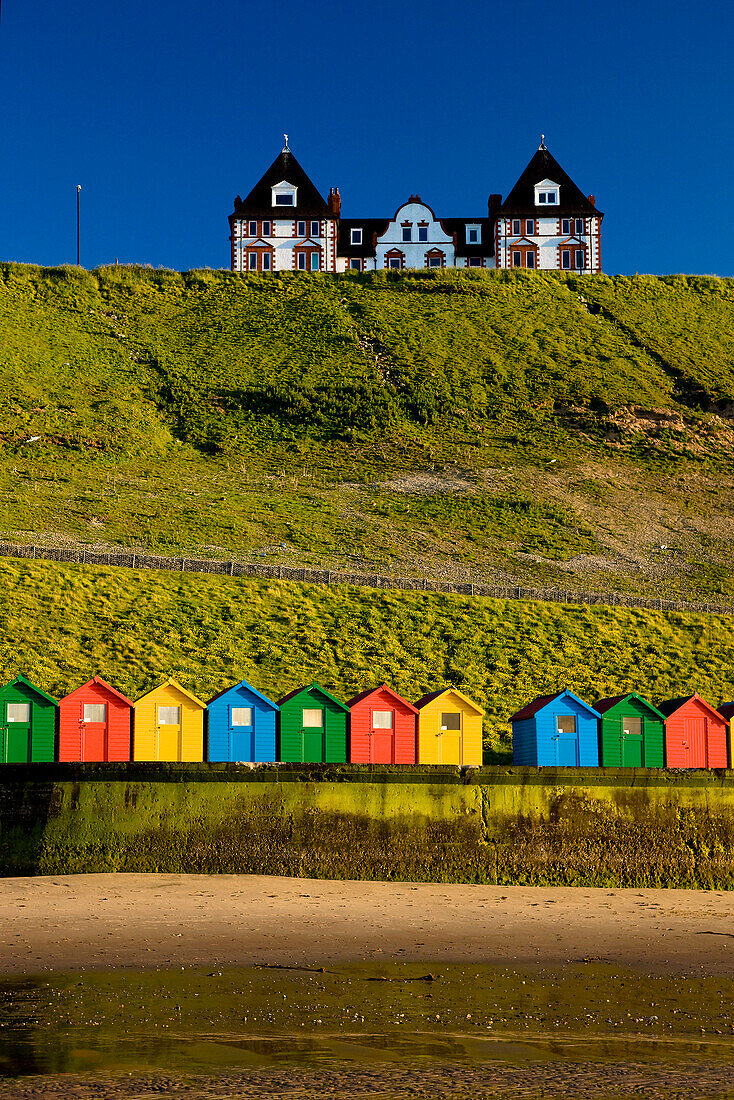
(449, 729)
(168, 724)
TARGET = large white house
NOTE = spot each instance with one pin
(545, 223)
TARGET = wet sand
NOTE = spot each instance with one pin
(106, 922)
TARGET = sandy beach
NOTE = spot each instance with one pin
(105, 922)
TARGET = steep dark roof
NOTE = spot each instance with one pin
(521, 198)
(531, 709)
(670, 706)
(458, 226)
(726, 710)
(259, 203)
(369, 227)
(603, 705)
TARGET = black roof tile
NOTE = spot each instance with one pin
(521, 199)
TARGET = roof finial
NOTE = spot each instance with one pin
(285, 148)
(542, 141)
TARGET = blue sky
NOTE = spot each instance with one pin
(163, 110)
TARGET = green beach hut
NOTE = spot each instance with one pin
(27, 723)
(631, 732)
(313, 727)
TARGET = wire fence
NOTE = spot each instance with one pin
(134, 559)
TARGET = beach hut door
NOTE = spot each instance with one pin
(694, 742)
(169, 733)
(312, 736)
(16, 734)
(241, 734)
(567, 742)
(382, 741)
(449, 743)
(94, 731)
(631, 741)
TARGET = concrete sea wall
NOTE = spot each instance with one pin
(595, 827)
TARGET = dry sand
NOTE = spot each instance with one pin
(144, 921)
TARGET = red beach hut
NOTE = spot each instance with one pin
(94, 723)
(384, 728)
(695, 734)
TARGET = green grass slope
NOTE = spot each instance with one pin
(59, 625)
(539, 428)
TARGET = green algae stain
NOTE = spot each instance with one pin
(507, 827)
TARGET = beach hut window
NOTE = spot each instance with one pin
(19, 712)
(632, 726)
(241, 716)
(94, 712)
(382, 719)
(168, 716)
(313, 718)
(566, 723)
(451, 721)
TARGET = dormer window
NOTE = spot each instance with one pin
(356, 236)
(284, 194)
(546, 193)
(473, 234)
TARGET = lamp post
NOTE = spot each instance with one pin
(78, 189)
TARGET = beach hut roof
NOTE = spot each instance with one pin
(542, 701)
(20, 679)
(313, 687)
(726, 710)
(102, 683)
(426, 699)
(170, 682)
(603, 705)
(250, 688)
(670, 706)
(380, 687)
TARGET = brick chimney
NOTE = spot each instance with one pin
(335, 202)
(592, 199)
(494, 202)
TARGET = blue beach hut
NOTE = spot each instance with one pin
(558, 730)
(241, 725)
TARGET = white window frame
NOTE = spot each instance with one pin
(252, 229)
(315, 261)
(240, 713)
(168, 711)
(356, 236)
(13, 709)
(474, 261)
(474, 229)
(578, 259)
(422, 234)
(300, 229)
(316, 232)
(435, 261)
(579, 227)
(547, 193)
(267, 261)
(517, 227)
(267, 229)
(312, 723)
(530, 255)
(301, 263)
(566, 226)
(531, 231)
(250, 257)
(518, 255)
(565, 256)
(355, 264)
(284, 190)
(394, 263)
(407, 234)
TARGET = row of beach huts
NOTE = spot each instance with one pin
(97, 723)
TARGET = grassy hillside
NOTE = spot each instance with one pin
(61, 624)
(544, 428)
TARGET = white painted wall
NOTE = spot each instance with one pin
(414, 251)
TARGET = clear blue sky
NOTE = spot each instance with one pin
(163, 110)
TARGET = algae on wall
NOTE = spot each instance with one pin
(497, 826)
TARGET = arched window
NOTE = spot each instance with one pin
(395, 259)
(435, 258)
